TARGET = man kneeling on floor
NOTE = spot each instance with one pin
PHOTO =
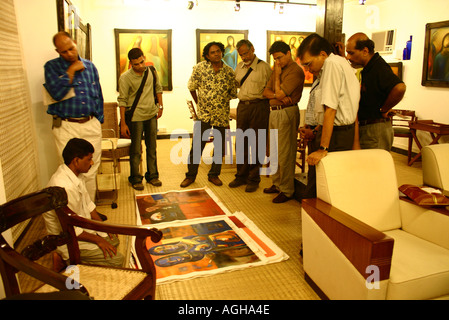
(95, 247)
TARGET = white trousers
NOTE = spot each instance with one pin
(90, 131)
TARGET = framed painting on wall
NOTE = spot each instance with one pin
(436, 55)
(229, 38)
(397, 68)
(293, 39)
(156, 46)
(68, 19)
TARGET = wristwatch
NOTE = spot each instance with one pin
(324, 148)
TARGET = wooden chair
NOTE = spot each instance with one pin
(302, 150)
(99, 282)
(400, 121)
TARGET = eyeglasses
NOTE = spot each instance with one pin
(307, 64)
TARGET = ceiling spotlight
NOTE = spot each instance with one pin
(237, 5)
(281, 9)
(190, 5)
(362, 2)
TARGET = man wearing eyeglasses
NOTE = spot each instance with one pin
(284, 89)
(336, 103)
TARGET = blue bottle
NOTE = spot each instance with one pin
(409, 48)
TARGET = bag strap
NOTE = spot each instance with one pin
(247, 74)
(139, 92)
(153, 71)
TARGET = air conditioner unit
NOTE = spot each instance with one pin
(384, 41)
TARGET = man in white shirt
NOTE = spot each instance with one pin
(95, 247)
(336, 104)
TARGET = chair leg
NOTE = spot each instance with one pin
(409, 153)
(58, 262)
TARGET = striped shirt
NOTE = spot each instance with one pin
(88, 98)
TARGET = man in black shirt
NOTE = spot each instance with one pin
(380, 91)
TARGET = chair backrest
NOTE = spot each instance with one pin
(11, 261)
(401, 119)
(363, 184)
(435, 166)
(192, 110)
(110, 126)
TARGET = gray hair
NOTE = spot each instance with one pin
(242, 42)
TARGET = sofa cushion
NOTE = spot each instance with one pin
(419, 269)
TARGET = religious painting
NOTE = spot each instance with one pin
(396, 67)
(201, 237)
(156, 46)
(228, 38)
(176, 205)
(436, 55)
(293, 39)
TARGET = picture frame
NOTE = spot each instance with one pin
(156, 46)
(69, 21)
(396, 67)
(436, 65)
(83, 41)
(293, 39)
(229, 38)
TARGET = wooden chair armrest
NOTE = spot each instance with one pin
(140, 232)
(361, 244)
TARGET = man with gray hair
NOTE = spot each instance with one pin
(253, 111)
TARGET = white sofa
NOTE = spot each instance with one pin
(360, 241)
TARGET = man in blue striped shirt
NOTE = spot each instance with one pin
(79, 116)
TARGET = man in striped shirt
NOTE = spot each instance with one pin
(81, 115)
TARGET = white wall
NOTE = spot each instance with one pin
(408, 18)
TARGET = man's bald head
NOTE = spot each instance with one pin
(359, 49)
(360, 41)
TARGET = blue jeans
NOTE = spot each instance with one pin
(148, 131)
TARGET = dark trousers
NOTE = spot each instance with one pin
(251, 116)
(342, 139)
(199, 128)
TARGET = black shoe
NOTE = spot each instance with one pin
(216, 181)
(272, 189)
(236, 183)
(281, 198)
(138, 186)
(187, 182)
(251, 187)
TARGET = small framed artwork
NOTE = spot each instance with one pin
(229, 38)
(156, 46)
(293, 39)
(68, 19)
(436, 55)
(396, 67)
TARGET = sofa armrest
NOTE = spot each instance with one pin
(361, 244)
(428, 223)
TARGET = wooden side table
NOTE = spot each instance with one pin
(436, 131)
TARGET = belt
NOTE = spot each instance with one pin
(346, 127)
(78, 120)
(251, 101)
(372, 121)
(281, 107)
